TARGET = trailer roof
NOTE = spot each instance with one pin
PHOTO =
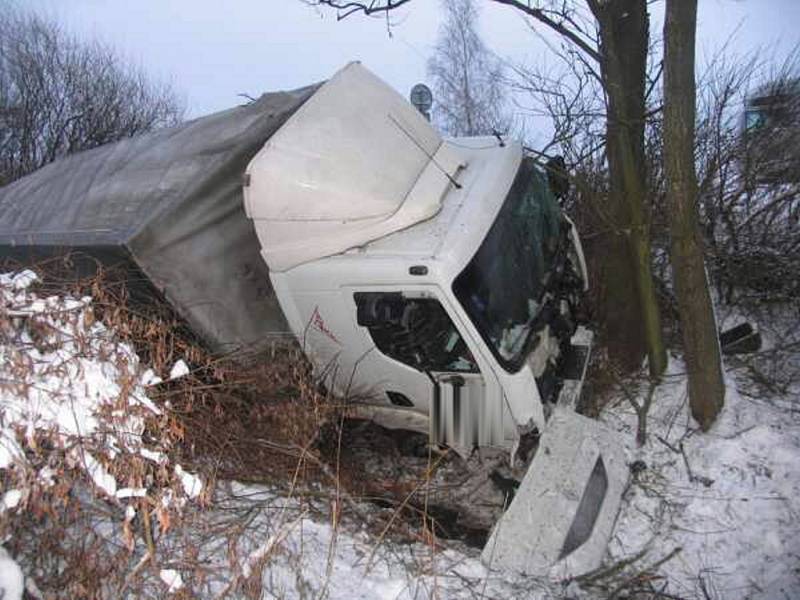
(171, 202)
(109, 193)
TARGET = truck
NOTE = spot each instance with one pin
(431, 282)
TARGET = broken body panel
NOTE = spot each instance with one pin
(563, 513)
(442, 302)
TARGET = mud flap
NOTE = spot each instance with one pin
(562, 516)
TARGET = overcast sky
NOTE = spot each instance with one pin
(212, 50)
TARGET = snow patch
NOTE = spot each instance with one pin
(71, 392)
(722, 497)
(18, 281)
(102, 478)
(11, 499)
(172, 578)
(149, 377)
(192, 484)
(156, 457)
(9, 449)
(131, 493)
(263, 551)
(179, 369)
(12, 581)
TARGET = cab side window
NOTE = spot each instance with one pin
(415, 331)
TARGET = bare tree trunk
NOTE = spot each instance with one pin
(698, 326)
(624, 26)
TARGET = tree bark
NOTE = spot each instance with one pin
(698, 325)
(632, 309)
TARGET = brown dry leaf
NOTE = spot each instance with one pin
(88, 317)
(127, 536)
(176, 430)
(162, 514)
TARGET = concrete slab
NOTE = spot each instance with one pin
(562, 516)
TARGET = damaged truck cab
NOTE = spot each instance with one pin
(454, 326)
(434, 284)
(444, 301)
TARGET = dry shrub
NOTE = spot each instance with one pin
(244, 415)
(251, 420)
(249, 416)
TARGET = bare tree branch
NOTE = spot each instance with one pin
(557, 26)
(345, 9)
(559, 21)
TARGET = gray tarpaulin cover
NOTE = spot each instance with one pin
(171, 202)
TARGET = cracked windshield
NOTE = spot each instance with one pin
(502, 286)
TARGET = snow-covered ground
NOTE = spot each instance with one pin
(725, 505)
(294, 549)
(723, 508)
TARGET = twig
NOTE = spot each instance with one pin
(397, 511)
(667, 444)
(640, 574)
(603, 572)
(692, 477)
(641, 409)
(134, 572)
(148, 534)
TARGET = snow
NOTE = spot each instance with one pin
(179, 369)
(149, 377)
(131, 493)
(728, 499)
(192, 484)
(12, 582)
(102, 479)
(8, 447)
(70, 391)
(63, 369)
(18, 281)
(172, 578)
(67, 377)
(294, 554)
(11, 499)
(156, 457)
(261, 553)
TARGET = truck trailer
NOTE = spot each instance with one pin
(431, 282)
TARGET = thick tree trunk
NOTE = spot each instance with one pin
(632, 313)
(698, 326)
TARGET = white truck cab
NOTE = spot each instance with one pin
(416, 280)
(430, 281)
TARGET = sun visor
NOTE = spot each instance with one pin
(354, 163)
